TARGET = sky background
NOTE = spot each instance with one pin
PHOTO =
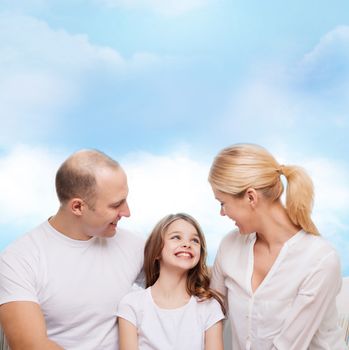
(162, 86)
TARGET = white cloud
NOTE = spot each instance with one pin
(334, 44)
(265, 103)
(331, 194)
(43, 71)
(40, 74)
(164, 7)
(159, 185)
(281, 104)
(285, 105)
(326, 66)
(27, 186)
(30, 43)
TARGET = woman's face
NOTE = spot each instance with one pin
(237, 209)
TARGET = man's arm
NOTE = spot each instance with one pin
(24, 326)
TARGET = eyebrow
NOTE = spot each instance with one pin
(116, 204)
(174, 232)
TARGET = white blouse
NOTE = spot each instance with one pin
(294, 307)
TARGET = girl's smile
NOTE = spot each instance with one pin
(181, 246)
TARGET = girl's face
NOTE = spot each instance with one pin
(181, 246)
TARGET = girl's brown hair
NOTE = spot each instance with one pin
(241, 166)
(198, 279)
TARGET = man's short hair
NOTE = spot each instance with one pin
(76, 177)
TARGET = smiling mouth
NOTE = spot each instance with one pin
(184, 254)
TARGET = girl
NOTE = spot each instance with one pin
(178, 310)
(279, 276)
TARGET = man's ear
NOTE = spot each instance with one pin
(76, 206)
(252, 197)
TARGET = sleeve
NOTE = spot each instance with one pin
(218, 277)
(315, 295)
(213, 313)
(18, 279)
(127, 308)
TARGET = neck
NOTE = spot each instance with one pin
(169, 291)
(276, 227)
(67, 225)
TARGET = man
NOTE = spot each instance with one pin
(60, 284)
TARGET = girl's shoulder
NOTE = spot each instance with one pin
(209, 310)
(207, 304)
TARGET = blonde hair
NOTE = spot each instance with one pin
(198, 279)
(243, 166)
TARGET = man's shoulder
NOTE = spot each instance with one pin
(129, 236)
(26, 242)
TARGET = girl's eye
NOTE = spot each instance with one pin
(175, 237)
(196, 240)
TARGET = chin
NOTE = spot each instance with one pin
(244, 232)
(109, 233)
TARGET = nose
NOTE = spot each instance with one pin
(125, 210)
(185, 244)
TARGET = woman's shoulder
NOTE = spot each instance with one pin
(235, 238)
(317, 244)
(318, 251)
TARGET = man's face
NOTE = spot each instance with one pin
(110, 204)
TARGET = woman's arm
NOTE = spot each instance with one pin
(214, 337)
(128, 338)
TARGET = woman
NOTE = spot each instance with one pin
(280, 278)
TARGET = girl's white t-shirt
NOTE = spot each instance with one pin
(169, 329)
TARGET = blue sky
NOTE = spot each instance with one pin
(162, 86)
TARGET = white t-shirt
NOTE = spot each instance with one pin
(169, 329)
(78, 284)
(294, 308)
